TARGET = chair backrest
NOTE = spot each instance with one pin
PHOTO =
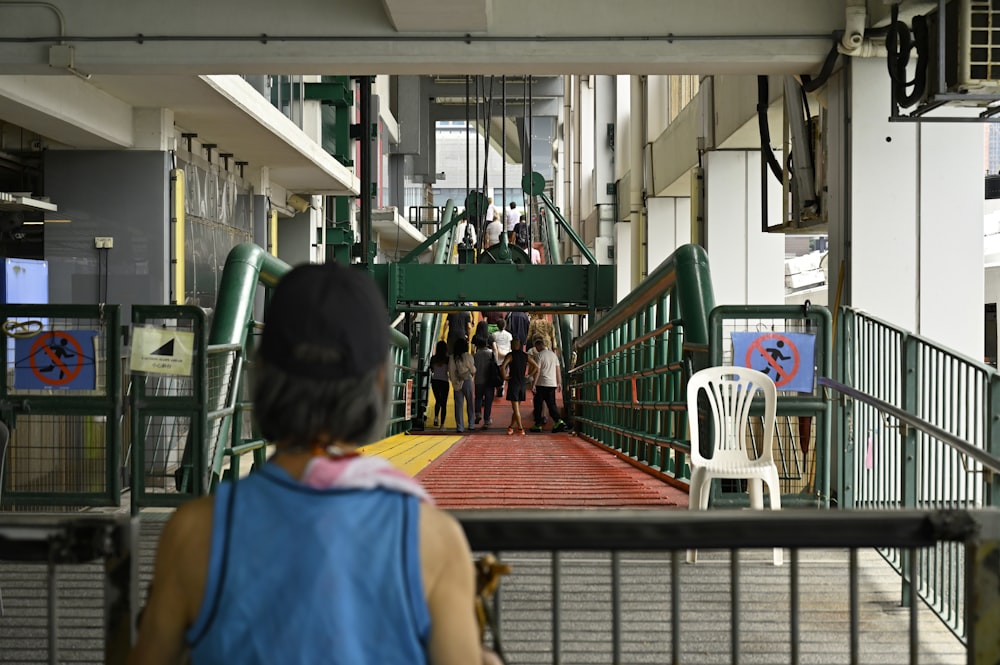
(730, 392)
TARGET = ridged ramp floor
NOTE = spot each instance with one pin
(490, 469)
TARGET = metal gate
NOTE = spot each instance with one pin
(61, 397)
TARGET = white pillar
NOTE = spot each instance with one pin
(915, 217)
(668, 226)
(153, 129)
(623, 260)
(747, 264)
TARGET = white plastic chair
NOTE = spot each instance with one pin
(730, 392)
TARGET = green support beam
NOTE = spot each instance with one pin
(414, 287)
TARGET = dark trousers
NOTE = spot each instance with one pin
(484, 400)
(440, 388)
(545, 395)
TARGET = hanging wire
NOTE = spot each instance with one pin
(467, 146)
(503, 143)
(530, 163)
(487, 108)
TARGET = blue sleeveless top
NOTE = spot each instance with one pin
(302, 576)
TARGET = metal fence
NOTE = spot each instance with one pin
(60, 394)
(86, 615)
(402, 407)
(921, 430)
(599, 587)
(629, 374)
(793, 345)
(168, 414)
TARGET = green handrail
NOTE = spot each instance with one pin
(246, 265)
(686, 270)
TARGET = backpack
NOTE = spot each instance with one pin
(521, 234)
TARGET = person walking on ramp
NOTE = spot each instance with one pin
(515, 368)
(547, 384)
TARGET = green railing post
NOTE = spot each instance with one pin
(845, 434)
(993, 436)
(910, 382)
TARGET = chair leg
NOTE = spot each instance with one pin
(756, 487)
(774, 491)
(696, 502)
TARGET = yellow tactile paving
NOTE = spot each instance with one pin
(411, 453)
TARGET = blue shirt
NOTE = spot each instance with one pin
(300, 576)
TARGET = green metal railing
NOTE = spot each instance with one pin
(627, 385)
(801, 438)
(61, 396)
(921, 430)
(404, 377)
(430, 322)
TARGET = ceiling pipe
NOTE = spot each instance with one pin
(853, 42)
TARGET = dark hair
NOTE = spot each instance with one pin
(440, 352)
(482, 330)
(515, 343)
(459, 346)
(502, 324)
(294, 411)
(513, 205)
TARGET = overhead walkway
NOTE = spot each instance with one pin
(601, 585)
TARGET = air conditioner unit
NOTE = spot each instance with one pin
(971, 59)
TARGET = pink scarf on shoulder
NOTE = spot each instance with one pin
(358, 472)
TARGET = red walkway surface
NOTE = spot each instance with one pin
(493, 470)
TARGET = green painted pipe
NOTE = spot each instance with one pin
(246, 265)
(564, 322)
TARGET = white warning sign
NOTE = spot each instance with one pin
(161, 351)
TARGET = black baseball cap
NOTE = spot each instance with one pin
(326, 321)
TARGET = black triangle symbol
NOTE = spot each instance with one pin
(165, 350)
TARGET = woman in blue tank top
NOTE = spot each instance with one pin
(302, 562)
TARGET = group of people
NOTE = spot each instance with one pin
(501, 356)
(498, 222)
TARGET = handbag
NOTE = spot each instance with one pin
(496, 376)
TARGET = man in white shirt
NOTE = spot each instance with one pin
(493, 230)
(511, 216)
(460, 229)
(491, 210)
(547, 383)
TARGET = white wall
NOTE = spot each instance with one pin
(916, 217)
(623, 260)
(747, 264)
(668, 226)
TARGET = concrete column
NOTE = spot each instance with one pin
(747, 264)
(623, 260)
(909, 225)
(668, 226)
(636, 126)
(153, 129)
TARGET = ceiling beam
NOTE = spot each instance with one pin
(436, 37)
(437, 15)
